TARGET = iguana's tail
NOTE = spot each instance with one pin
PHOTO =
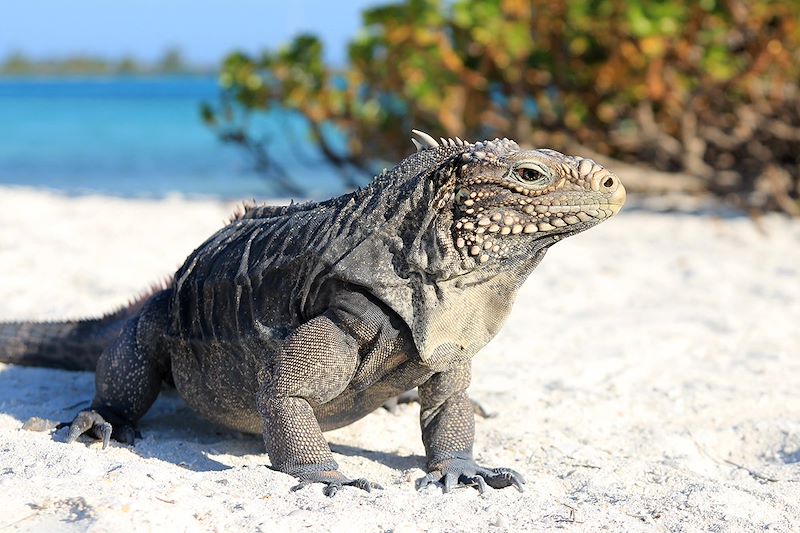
(68, 345)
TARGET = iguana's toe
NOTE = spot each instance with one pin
(333, 481)
(500, 478)
(361, 483)
(92, 422)
(451, 473)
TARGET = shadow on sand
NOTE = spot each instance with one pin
(58, 395)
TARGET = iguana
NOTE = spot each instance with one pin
(293, 320)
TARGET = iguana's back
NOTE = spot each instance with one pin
(261, 268)
(268, 267)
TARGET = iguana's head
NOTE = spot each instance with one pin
(506, 202)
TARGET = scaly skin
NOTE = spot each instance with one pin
(294, 320)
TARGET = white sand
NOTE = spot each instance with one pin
(648, 379)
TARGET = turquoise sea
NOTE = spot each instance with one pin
(138, 137)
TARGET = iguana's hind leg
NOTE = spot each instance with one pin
(128, 377)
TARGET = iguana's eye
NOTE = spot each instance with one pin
(531, 175)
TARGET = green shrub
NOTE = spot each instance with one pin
(706, 87)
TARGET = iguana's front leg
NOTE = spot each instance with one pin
(448, 432)
(315, 364)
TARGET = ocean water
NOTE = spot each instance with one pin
(140, 137)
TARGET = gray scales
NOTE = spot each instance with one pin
(293, 320)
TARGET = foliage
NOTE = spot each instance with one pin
(171, 62)
(707, 87)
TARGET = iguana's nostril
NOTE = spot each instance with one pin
(605, 182)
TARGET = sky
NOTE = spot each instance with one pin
(204, 30)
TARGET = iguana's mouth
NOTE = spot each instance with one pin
(573, 207)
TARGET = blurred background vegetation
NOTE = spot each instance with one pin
(171, 63)
(706, 92)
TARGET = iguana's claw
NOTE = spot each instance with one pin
(360, 483)
(92, 421)
(451, 473)
(334, 481)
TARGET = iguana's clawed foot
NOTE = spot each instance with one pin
(91, 422)
(451, 473)
(333, 481)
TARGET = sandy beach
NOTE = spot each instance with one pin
(648, 379)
